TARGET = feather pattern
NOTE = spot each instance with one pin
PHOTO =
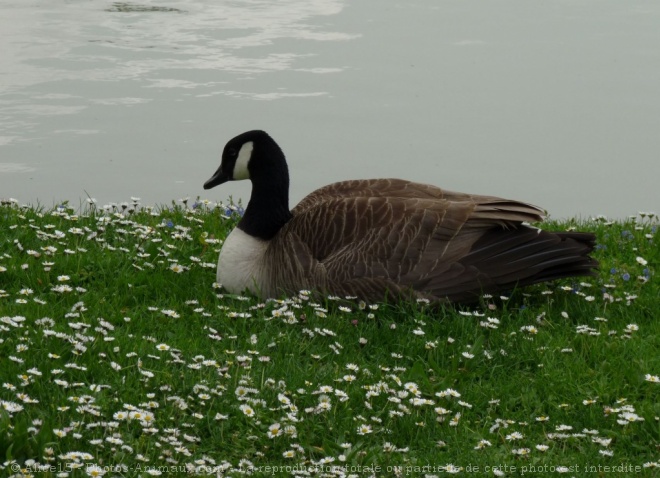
(387, 238)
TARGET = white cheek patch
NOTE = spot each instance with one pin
(241, 166)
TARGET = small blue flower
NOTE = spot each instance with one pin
(646, 272)
(169, 223)
(626, 276)
(613, 270)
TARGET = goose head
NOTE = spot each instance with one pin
(252, 155)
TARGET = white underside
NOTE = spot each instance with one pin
(240, 265)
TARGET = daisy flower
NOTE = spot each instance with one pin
(62, 289)
(450, 392)
(274, 430)
(94, 470)
(241, 392)
(364, 429)
(523, 451)
(412, 388)
(452, 469)
(290, 431)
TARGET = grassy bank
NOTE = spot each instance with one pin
(118, 356)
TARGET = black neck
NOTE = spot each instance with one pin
(268, 209)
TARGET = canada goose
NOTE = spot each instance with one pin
(382, 238)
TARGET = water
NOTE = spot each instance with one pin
(554, 103)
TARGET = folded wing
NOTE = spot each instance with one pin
(389, 237)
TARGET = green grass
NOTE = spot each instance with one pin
(138, 364)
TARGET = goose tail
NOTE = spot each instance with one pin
(503, 260)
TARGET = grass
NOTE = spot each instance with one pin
(120, 357)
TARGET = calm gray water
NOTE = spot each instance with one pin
(556, 103)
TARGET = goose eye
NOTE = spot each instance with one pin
(232, 152)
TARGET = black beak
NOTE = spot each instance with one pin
(218, 178)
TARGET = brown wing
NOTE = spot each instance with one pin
(375, 238)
